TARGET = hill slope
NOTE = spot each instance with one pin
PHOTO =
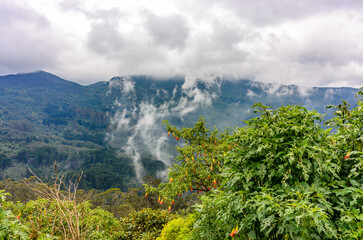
(113, 130)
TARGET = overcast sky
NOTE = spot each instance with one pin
(303, 42)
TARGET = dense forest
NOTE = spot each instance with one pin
(44, 118)
(286, 174)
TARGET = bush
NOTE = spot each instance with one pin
(10, 226)
(178, 229)
(145, 224)
(285, 177)
(282, 176)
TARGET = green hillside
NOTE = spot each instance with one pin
(113, 131)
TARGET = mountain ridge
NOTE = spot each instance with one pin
(113, 129)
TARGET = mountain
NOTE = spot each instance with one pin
(112, 130)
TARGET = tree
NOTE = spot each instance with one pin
(198, 166)
(282, 176)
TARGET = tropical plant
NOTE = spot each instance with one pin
(180, 228)
(282, 176)
(10, 226)
(198, 165)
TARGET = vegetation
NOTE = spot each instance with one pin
(179, 228)
(286, 174)
(44, 119)
(282, 176)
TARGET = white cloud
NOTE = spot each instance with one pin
(290, 42)
(251, 93)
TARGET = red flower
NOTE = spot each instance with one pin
(347, 156)
(234, 231)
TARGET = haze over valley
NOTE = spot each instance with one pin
(113, 131)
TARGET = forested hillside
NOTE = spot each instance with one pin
(286, 174)
(112, 131)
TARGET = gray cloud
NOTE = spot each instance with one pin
(71, 5)
(262, 12)
(306, 42)
(27, 42)
(12, 14)
(170, 31)
(105, 39)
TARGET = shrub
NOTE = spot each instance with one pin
(145, 224)
(178, 229)
(10, 226)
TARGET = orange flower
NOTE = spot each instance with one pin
(145, 194)
(169, 208)
(177, 138)
(234, 231)
(171, 179)
(168, 134)
(347, 156)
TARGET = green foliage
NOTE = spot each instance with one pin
(18, 190)
(198, 166)
(145, 224)
(348, 142)
(178, 229)
(282, 176)
(10, 226)
(4, 161)
(44, 218)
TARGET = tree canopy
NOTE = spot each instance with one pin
(287, 174)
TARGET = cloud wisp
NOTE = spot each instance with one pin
(136, 124)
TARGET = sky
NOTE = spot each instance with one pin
(302, 42)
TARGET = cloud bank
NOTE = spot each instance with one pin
(307, 42)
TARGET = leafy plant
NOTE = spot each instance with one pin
(145, 224)
(282, 176)
(10, 226)
(197, 168)
(180, 228)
